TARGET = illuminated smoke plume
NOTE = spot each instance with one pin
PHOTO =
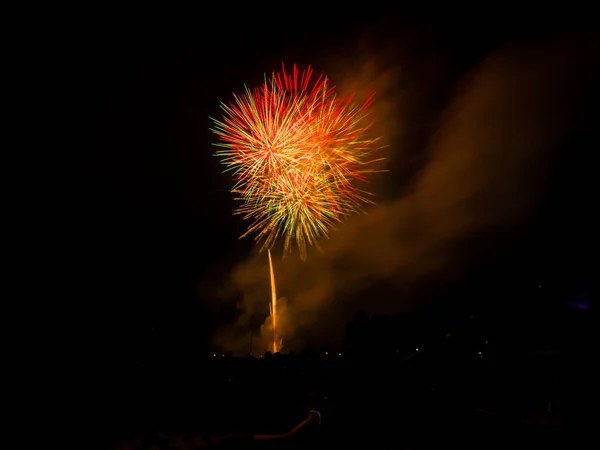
(483, 175)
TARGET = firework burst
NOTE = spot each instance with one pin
(296, 151)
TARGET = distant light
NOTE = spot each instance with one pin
(223, 356)
(486, 342)
(416, 349)
(479, 353)
(214, 354)
(327, 353)
(539, 287)
(339, 354)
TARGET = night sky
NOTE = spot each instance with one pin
(151, 239)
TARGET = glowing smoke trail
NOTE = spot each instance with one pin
(276, 346)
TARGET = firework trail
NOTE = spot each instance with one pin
(295, 151)
(273, 307)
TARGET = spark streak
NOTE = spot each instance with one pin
(273, 307)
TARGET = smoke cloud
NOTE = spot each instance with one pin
(481, 175)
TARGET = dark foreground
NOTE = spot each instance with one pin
(463, 392)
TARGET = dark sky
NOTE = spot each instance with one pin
(149, 216)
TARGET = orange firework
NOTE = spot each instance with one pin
(296, 152)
